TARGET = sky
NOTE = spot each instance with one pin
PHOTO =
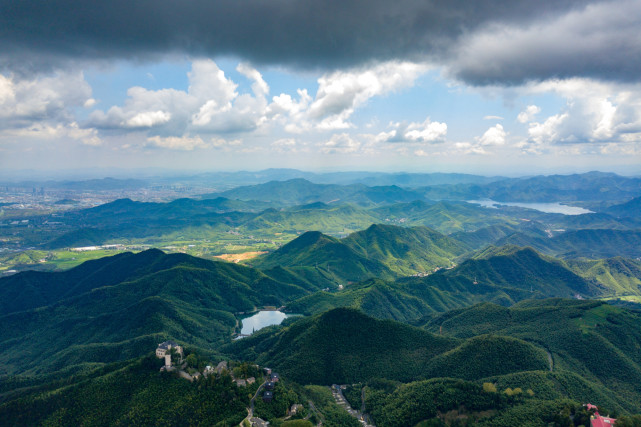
(486, 86)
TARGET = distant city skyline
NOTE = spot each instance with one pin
(492, 88)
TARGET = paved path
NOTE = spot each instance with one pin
(250, 410)
(321, 418)
(342, 402)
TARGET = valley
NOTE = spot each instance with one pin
(401, 293)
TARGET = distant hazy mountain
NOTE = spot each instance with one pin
(631, 209)
(591, 186)
(300, 191)
(104, 184)
(367, 178)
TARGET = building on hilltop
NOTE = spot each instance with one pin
(268, 396)
(165, 347)
(164, 351)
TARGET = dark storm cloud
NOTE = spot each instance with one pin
(298, 33)
(599, 41)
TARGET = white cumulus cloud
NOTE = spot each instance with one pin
(148, 119)
(340, 93)
(495, 135)
(427, 131)
(24, 102)
(342, 143)
(189, 143)
(528, 114)
(210, 104)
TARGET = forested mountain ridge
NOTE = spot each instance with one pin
(148, 296)
(346, 346)
(588, 243)
(390, 302)
(381, 251)
(503, 275)
(600, 342)
(314, 253)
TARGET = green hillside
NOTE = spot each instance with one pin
(405, 251)
(376, 298)
(532, 398)
(380, 251)
(488, 355)
(589, 243)
(620, 276)
(503, 275)
(330, 219)
(444, 217)
(599, 342)
(316, 253)
(131, 393)
(143, 299)
(344, 346)
(515, 271)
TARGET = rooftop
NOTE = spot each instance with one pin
(165, 345)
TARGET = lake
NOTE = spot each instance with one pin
(541, 207)
(261, 320)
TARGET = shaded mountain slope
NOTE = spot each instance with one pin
(595, 244)
(346, 346)
(514, 270)
(600, 342)
(127, 393)
(176, 295)
(630, 209)
(502, 275)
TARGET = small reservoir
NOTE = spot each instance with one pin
(262, 319)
